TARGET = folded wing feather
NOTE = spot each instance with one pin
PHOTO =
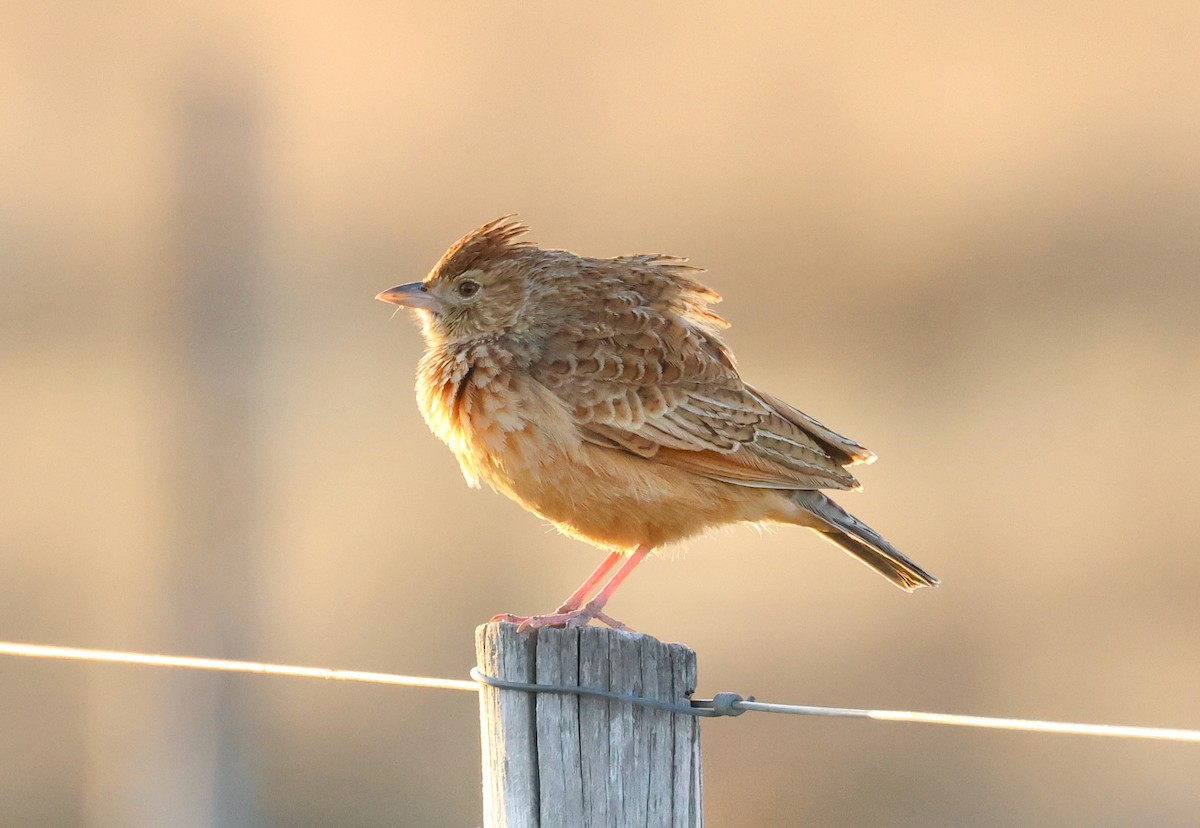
(674, 395)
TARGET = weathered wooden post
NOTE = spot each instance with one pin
(569, 760)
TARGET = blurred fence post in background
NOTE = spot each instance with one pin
(551, 759)
(216, 431)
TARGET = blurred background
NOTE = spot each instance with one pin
(967, 235)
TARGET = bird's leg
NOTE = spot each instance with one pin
(592, 610)
(576, 600)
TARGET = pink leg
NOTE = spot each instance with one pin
(576, 599)
(603, 595)
(578, 617)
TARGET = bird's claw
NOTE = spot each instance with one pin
(608, 620)
(508, 618)
(568, 618)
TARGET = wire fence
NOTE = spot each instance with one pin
(721, 705)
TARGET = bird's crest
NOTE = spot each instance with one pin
(492, 241)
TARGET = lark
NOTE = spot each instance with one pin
(599, 395)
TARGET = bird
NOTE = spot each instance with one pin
(599, 394)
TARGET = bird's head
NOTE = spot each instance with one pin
(478, 288)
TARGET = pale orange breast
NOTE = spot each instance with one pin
(509, 430)
(503, 426)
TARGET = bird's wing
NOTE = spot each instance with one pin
(658, 387)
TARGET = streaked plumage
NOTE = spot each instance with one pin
(598, 394)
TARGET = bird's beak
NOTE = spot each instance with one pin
(412, 295)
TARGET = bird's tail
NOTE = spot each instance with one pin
(839, 526)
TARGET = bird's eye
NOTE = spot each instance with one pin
(467, 288)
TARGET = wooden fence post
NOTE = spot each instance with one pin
(567, 760)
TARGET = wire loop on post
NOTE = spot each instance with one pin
(594, 692)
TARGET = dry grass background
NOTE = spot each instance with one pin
(964, 234)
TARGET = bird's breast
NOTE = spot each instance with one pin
(508, 429)
(502, 425)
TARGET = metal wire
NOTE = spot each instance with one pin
(1170, 734)
(721, 705)
(227, 665)
(590, 692)
(732, 704)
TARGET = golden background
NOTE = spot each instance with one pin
(967, 235)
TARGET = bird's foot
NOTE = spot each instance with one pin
(569, 605)
(564, 616)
